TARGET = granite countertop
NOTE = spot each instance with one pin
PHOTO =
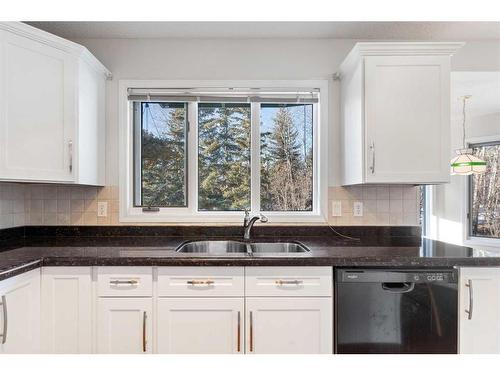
(160, 251)
(26, 248)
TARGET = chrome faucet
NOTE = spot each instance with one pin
(248, 223)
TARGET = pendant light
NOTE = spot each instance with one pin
(466, 163)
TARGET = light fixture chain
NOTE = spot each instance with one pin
(463, 124)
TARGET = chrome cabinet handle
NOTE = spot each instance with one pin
(471, 300)
(238, 333)
(121, 282)
(372, 148)
(4, 309)
(70, 149)
(251, 331)
(288, 282)
(200, 282)
(144, 317)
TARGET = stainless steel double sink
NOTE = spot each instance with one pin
(248, 248)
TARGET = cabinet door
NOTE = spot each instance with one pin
(200, 325)
(37, 107)
(289, 325)
(66, 310)
(407, 124)
(20, 314)
(124, 325)
(479, 310)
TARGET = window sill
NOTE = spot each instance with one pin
(483, 243)
(217, 218)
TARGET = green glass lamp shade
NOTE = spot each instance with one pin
(465, 163)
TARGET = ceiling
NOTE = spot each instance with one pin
(484, 88)
(341, 30)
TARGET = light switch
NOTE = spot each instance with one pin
(336, 208)
(102, 209)
(357, 209)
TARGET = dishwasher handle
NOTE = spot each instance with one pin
(398, 287)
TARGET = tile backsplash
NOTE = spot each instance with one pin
(12, 205)
(70, 205)
(37, 204)
(382, 205)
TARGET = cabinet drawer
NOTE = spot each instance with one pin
(201, 281)
(124, 281)
(288, 281)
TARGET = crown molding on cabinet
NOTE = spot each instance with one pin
(361, 50)
(54, 41)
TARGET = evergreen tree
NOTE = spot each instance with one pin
(163, 156)
(224, 156)
(287, 165)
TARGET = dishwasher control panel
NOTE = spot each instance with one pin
(397, 276)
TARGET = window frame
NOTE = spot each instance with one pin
(137, 154)
(190, 214)
(196, 166)
(470, 239)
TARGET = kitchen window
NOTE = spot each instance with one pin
(210, 154)
(223, 156)
(160, 154)
(484, 193)
(286, 157)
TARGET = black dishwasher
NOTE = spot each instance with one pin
(396, 311)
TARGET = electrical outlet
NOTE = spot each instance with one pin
(102, 209)
(357, 209)
(336, 208)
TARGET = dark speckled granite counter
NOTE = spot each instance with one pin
(380, 247)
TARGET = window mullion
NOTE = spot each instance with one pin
(137, 157)
(255, 157)
(193, 157)
(317, 199)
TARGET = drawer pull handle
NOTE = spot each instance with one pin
(238, 333)
(471, 300)
(124, 282)
(288, 282)
(251, 331)
(70, 149)
(4, 309)
(144, 316)
(200, 282)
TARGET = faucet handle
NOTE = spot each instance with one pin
(246, 219)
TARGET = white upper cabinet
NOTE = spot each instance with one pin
(51, 108)
(396, 113)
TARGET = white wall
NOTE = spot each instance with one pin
(237, 59)
(261, 59)
(483, 120)
(217, 59)
(242, 59)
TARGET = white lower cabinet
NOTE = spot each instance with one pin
(66, 310)
(479, 310)
(296, 325)
(124, 325)
(200, 325)
(20, 314)
(170, 310)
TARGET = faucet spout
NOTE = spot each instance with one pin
(249, 222)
